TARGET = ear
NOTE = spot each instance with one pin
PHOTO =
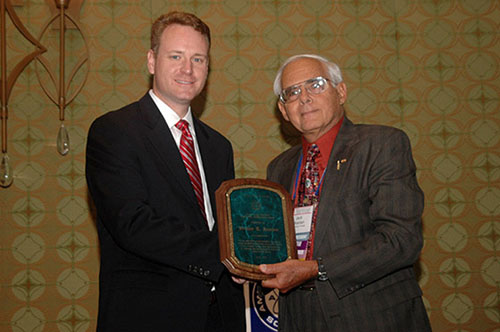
(151, 62)
(342, 91)
(282, 108)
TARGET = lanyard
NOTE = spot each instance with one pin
(297, 179)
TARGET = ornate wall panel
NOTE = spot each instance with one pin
(428, 67)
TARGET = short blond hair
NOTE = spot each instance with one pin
(180, 18)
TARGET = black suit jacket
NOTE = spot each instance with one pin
(159, 260)
(368, 233)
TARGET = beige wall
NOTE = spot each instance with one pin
(428, 67)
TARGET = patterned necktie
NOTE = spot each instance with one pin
(309, 181)
(186, 148)
(309, 190)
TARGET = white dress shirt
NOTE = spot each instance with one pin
(172, 118)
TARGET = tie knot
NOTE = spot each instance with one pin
(182, 125)
(313, 150)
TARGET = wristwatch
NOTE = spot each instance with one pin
(321, 270)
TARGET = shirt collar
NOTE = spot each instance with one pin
(169, 114)
(324, 143)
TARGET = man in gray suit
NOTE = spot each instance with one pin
(357, 213)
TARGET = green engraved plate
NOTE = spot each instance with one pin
(255, 225)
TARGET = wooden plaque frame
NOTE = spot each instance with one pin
(244, 240)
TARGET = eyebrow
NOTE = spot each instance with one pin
(303, 82)
(298, 84)
(182, 52)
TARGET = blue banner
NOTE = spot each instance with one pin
(261, 308)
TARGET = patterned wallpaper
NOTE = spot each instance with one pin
(429, 67)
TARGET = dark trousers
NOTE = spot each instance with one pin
(214, 319)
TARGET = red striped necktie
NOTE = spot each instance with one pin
(186, 148)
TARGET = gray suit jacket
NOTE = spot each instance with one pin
(368, 232)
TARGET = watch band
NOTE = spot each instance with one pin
(322, 276)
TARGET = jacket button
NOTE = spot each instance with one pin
(207, 273)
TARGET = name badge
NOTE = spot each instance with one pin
(302, 217)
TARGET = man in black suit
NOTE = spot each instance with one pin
(160, 267)
(359, 206)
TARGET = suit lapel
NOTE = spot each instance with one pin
(333, 181)
(163, 147)
(288, 174)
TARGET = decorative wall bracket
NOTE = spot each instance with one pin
(7, 82)
(59, 95)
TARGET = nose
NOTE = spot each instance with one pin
(304, 96)
(187, 66)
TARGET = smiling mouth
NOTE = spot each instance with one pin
(309, 112)
(184, 82)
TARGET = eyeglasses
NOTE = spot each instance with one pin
(314, 86)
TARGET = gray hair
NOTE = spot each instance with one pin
(332, 69)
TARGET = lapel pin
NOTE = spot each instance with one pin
(340, 162)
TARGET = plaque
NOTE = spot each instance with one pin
(255, 224)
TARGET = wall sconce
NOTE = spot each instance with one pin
(60, 82)
(6, 175)
(59, 95)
